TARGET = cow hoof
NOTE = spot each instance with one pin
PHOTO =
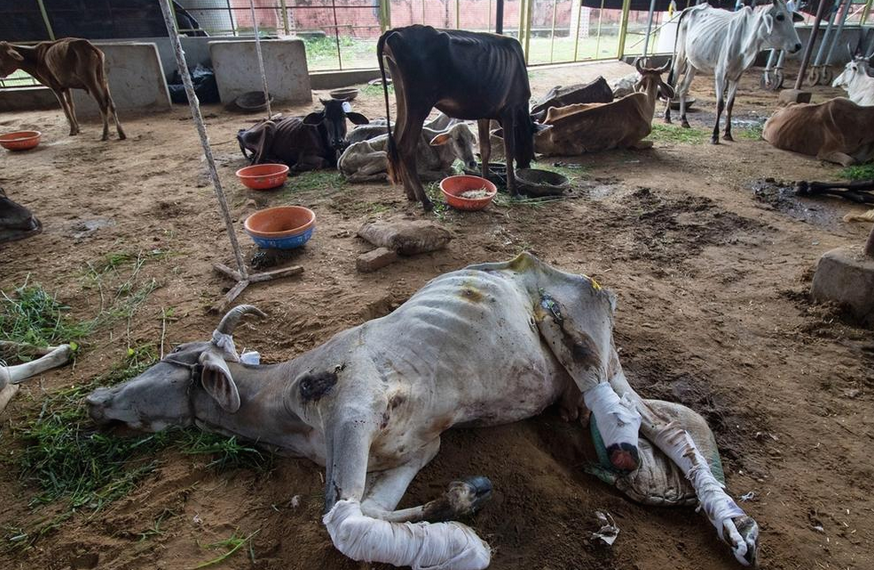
(624, 457)
(714, 140)
(668, 121)
(462, 499)
(728, 137)
(746, 540)
(427, 205)
(685, 124)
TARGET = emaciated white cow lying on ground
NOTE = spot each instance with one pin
(367, 161)
(857, 81)
(487, 345)
(837, 131)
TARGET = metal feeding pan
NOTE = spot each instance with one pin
(252, 101)
(539, 183)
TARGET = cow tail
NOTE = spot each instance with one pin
(393, 158)
(674, 73)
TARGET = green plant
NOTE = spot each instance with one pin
(676, 134)
(227, 452)
(32, 315)
(858, 172)
(751, 132)
(232, 544)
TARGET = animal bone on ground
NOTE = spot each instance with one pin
(490, 344)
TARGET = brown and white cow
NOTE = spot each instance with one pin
(593, 127)
(62, 65)
(836, 131)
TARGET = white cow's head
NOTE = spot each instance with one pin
(778, 29)
(462, 141)
(855, 72)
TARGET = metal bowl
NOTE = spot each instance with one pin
(344, 94)
(252, 101)
(538, 183)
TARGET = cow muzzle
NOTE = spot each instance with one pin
(97, 403)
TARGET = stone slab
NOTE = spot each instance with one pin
(376, 259)
(846, 275)
(285, 63)
(794, 96)
(136, 80)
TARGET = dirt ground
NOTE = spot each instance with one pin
(712, 281)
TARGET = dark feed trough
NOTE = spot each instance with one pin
(541, 183)
(251, 102)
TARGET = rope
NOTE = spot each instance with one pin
(260, 58)
(194, 103)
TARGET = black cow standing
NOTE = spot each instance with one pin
(303, 144)
(467, 75)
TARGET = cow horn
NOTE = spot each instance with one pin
(637, 65)
(230, 320)
(666, 66)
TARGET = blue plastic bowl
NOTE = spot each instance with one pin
(289, 242)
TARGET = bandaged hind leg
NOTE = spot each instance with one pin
(358, 534)
(733, 525)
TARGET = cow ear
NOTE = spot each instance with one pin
(796, 17)
(14, 54)
(217, 381)
(769, 23)
(499, 133)
(441, 139)
(357, 118)
(314, 118)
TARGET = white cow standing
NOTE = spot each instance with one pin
(726, 44)
(857, 81)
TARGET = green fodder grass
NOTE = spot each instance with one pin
(34, 316)
(677, 134)
(858, 172)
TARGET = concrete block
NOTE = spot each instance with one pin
(285, 63)
(846, 275)
(794, 96)
(376, 259)
(136, 80)
(28, 99)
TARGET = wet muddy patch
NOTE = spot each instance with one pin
(778, 195)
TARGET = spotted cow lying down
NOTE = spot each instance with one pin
(490, 344)
(836, 131)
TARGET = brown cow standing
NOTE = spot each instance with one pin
(65, 64)
(837, 131)
(593, 127)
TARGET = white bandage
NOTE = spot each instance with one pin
(423, 546)
(226, 343)
(618, 419)
(717, 505)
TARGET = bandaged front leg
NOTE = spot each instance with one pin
(432, 546)
(733, 525)
(618, 422)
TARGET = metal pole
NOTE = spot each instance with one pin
(600, 20)
(648, 27)
(811, 40)
(194, 104)
(284, 8)
(865, 13)
(260, 58)
(45, 18)
(336, 33)
(841, 21)
(457, 16)
(530, 6)
(231, 16)
(577, 37)
(552, 39)
(828, 30)
(522, 20)
(499, 16)
(623, 28)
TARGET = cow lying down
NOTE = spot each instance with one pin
(837, 131)
(487, 345)
(367, 160)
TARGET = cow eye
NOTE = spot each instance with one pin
(780, 17)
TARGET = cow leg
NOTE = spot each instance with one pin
(385, 490)
(729, 105)
(720, 105)
(62, 99)
(68, 95)
(20, 372)
(364, 538)
(684, 91)
(408, 144)
(734, 526)
(485, 144)
(508, 122)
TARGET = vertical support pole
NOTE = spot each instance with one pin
(552, 33)
(648, 28)
(842, 19)
(522, 11)
(530, 7)
(260, 57)
(384, 15)
(810, 41)
(230, 15)
(45, 18)
(423, 12)
(284, 8)
(337, 33)
(194, 104)
(577, 36)
(623, 28)
(457, 16)
(600, 20)
(865, 13)
(499, 15)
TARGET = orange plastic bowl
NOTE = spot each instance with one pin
(21, 140)
(283, 227)
(263, 176)
(454, 186)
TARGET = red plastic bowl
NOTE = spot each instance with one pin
(279, 222)
(263, 176)
(453, 186)
(21, 140)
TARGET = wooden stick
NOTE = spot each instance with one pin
(227, 271)
(260, 58)
(194, 103)
(275, 274)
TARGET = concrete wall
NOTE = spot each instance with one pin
(236, 69)
(136, 80)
